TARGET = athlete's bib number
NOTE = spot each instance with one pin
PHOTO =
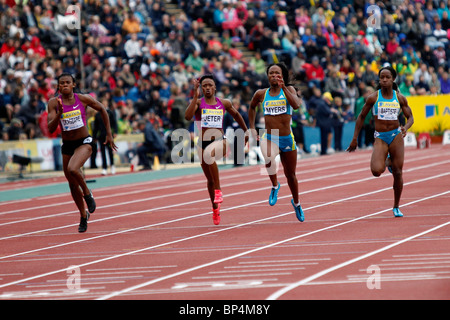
(212, 118)
(388, 111)
(72, 120)
(275, 107)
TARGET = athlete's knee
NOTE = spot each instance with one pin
(397, 173)
(377, 172)
(290, 176)
(72, 170)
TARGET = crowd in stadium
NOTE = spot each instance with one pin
(138, 58)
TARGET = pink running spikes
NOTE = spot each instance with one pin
(218, 196)
(216, 215)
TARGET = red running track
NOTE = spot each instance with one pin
(156, 240)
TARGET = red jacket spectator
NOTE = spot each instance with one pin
(35, 45)
(314, 71)
(391, 46)
(8, 46)
(44, 126)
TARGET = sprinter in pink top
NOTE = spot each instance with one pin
(209, 112)
(69, 111)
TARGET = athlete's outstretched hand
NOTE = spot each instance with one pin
(110, 141)
(352, 146)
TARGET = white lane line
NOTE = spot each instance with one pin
(207, 213)
(209, 233)
(129, 289)
(201, 180)
(207, 199)
(294, 285)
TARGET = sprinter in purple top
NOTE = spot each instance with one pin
(210, 116)
(209, 112)
(69, 111)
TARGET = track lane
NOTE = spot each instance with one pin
(204, 224)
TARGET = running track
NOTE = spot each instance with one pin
(155, 240)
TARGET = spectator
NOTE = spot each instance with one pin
(333, 83)
(324, 116)
(314, 72)
(338, 122)
(422, 72)
(352, 27)
(195, 61)
(15, 130)
(133, 47)
(99, 134)
(130, 24)
(153, 144)
(445, 83)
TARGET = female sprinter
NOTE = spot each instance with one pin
(278, 102)
(209, 112)
(69, 110)
(386, 104)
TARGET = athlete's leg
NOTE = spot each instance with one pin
(215, 151)
(71, 176)
(379, 155)
(208, 170)
(211, 173)
(397, 151)
(270, 150)
(80, 156)
(289, 161)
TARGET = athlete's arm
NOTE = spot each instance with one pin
(407, 112)
(193, 105)
(291, 96)
(88, 100)
(55, 110)
(360, 120)
(256, 100)
(236, 116)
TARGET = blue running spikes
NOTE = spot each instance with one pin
(298, 211)
(274, 195)
(397, 213)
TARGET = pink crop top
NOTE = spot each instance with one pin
(74, 116)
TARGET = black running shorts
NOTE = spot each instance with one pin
(69, 146)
